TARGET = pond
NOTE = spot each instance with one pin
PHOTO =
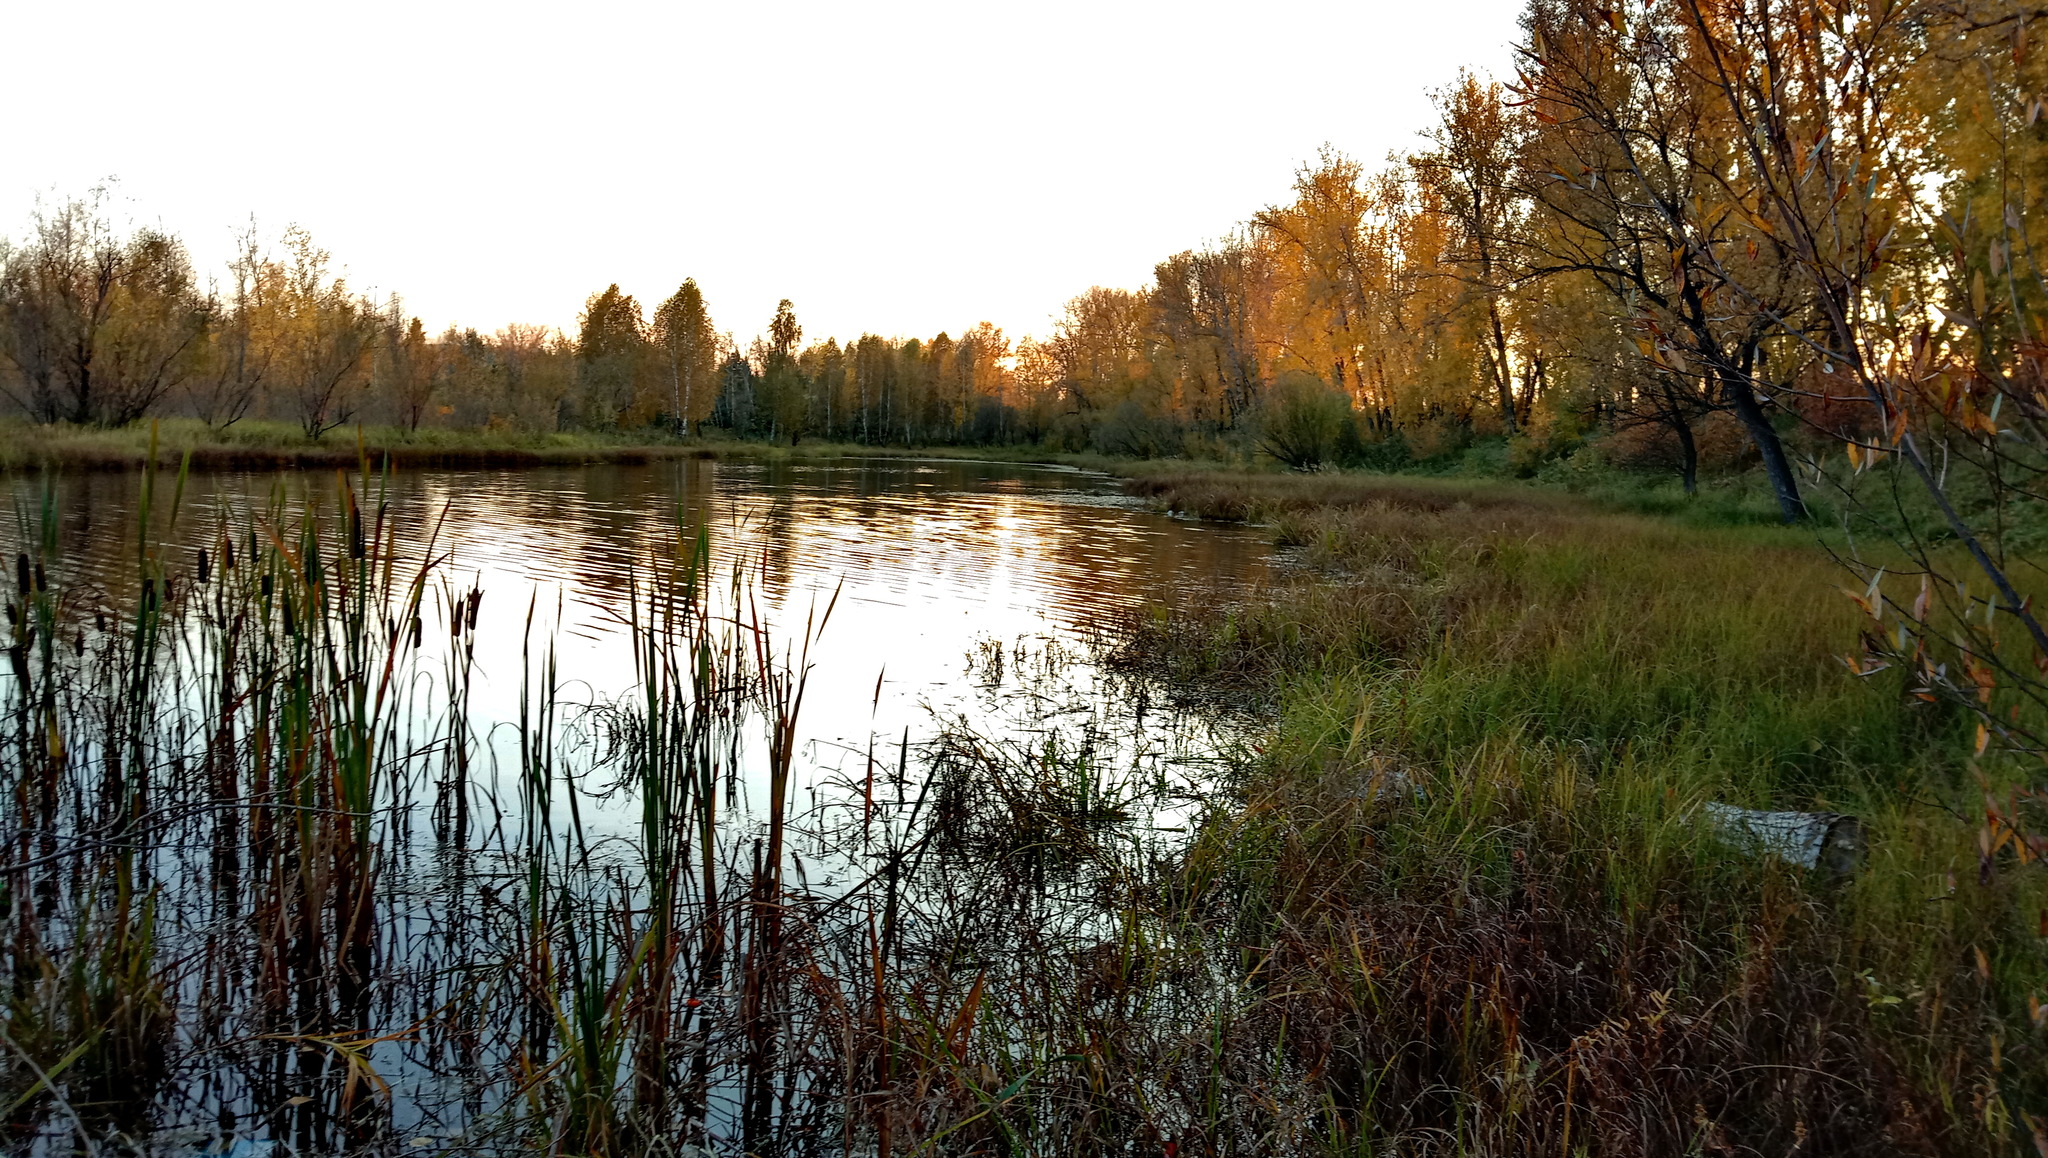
(940, 621)
(930, 560)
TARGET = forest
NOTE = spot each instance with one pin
(1684, 237)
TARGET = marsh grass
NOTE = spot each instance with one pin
(269, 880)
(1460, 901)
(261, 445)
(1532, 944)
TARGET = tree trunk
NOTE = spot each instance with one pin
(1688, 454)
(1503, 382)
(1765, 438)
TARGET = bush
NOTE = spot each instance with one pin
(1305, 423)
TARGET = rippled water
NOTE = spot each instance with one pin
(932, 562)
(964, 599)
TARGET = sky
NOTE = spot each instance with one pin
(890, 167)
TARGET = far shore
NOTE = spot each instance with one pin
(30, 448)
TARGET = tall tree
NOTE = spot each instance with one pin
(611, 356)
(782, 379)
(1634, 167)
(328, 335)
(689, 350)
(243, 341)
(412, 368)
(1470, 172)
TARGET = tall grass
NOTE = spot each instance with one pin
(1474, 864)
(1460, 900)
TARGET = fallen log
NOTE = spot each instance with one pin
(1826, 841)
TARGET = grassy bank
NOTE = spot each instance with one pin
(269, 878)
(1247, 487)
(28, 446)
(1471, 873)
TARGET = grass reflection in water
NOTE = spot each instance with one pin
(274, 881)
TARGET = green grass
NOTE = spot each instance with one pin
(259, 445)
(26, 446)
(1546, 934)
(1461, 902)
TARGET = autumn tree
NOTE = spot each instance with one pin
(1333, 265)
(1637, 170)
(1209, 306)
(328, 335)
(1470, 172)
(980, 359)
(243, 339)
(1102, 346)
(688, 350)
(611, 356)
(97, 327)
(412, 367)
(1350, 296)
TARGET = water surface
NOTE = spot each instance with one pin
(965, 601)
(931, 562)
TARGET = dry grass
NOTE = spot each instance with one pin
(1539, 950)
(1460, 904)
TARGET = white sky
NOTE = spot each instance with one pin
(895, 167)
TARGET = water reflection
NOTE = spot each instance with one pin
(926, 559)
(953, 678)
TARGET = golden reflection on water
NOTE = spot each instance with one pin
(927, 558)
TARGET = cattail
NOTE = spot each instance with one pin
(42, 579)
(268, 584)
(291, 626)
(203, 565)
(416, 628)
(228, 552)
(21, 572)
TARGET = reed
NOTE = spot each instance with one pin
(1457, 900)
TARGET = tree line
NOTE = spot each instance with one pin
(1684, 231)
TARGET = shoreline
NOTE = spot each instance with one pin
(29, 449)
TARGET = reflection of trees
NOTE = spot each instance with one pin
(886, 527)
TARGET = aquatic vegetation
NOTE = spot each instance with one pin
(275, 879)
(272, 876)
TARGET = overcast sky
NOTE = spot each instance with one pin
(902, 168)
